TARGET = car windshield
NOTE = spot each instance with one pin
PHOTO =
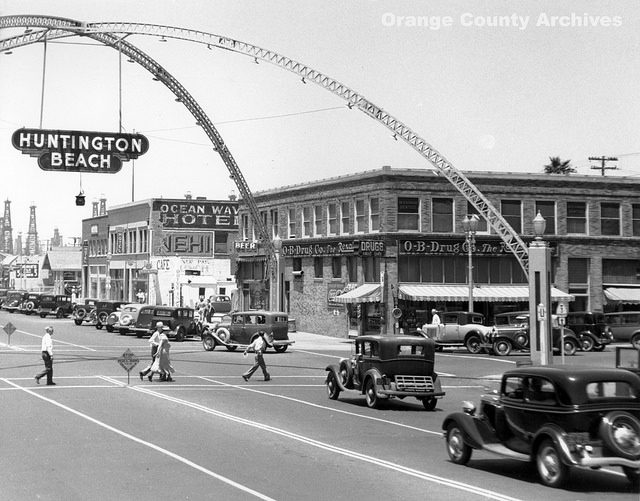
(610, 389)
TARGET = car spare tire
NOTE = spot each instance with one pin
(620, 432)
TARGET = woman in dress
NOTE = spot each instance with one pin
(162, 363)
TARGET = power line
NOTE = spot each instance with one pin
(603, 163)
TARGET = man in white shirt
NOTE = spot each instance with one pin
(47, 356)
(435, 318)
(259, 346)
(154, 341)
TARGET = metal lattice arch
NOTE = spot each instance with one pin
(113, 34)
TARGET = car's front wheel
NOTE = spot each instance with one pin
(570, 346)
(552, 471)
(43, 315)
(502, 347)
(370, 393)
(109, 328)
(77, 321)
(459, 452)
(281, 348)
(209, 342)
(430, 403)
(473, 344)
(333, 389)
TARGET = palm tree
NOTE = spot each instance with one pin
(557, 166)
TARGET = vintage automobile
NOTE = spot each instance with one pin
(125, 318)
(179, 322)
(591, 329)
(221, 304)
(240, 328)
(505, 339)
(3, 295)
(84, 311)
(55, 304)
(625, 326)
(30, 303)
(555, 417)
(459, 328)
(14, 300)
(104, 309)
(385, 367)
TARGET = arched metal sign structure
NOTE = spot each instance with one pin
(55, 27)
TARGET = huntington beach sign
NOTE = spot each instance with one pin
(79, 151)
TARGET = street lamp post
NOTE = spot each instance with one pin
(540, 296)
(277, 245)
(470, 225)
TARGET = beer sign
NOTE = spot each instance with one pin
(79, 151)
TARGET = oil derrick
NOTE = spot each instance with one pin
(7, 231)
(32, 236)
(56, 241)
(18, 244)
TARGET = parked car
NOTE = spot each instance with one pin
(591, 329)
(556, 418)
(30, 303)
(459, 328)
(179, 322)
(625, 326)
(221, 304)
(14, 300)
(385, 367)
(125, 318)
(509, 318)
(242, 327)
(84, 311)
(504, 339)
(55, 304)
(3, 295)
(104, 309)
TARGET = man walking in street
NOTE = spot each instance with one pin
(154, 341)
(47, 356)
(259, 346)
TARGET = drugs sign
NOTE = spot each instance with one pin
(79, 151)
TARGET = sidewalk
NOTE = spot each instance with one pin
(308, 341)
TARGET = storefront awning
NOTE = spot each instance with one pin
(366, 293)
(623, 294)
(490, 293)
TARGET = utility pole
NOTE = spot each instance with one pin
(603, 165)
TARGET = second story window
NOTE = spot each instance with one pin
(610, 218)
(408, 213)
(635, 220)
(548, 211)
(307, 224)
(577, 218)
(374, 215)
(344, 218)
(482, 222)
(245, 226)
(512, 211)
(360, 217)
(292, 223)
(332, 219)
(442, 215)
(275, 232)
(317, 220)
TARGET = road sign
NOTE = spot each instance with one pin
(562, 320)
(542, 312)
(128, 360)
(9, 329)
(561, 310)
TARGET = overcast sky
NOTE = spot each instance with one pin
(490, 98)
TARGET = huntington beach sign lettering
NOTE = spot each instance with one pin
(79, 151)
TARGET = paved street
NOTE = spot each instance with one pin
(210, 435)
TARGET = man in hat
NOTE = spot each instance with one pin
(259, 346)
(435, 318)
(47, 356)
(154, 341)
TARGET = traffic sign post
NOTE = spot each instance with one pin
(9, 329)
(561, 312)
(128, 361)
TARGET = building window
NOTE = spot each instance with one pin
(374, 215)
(318, 263)
(408, 213)
(297, 264)
(318, 220)
(332, 219)
(482, 222)
(620, 271)
(360, 217)
(144, 240)
(635, 219)
(610, 218)
(577, 218)
(344, 218)
(352, 268)
(512, 212)
(548, 211)
(275, 232)
(245, 227)
(292, 223)
(442, 215)
(265, 224)
(336, 267)
(371, 268)
(220, 243)
(578, 274)
(307, 222)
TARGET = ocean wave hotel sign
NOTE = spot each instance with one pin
(79, 151)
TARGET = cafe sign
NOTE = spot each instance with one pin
(79, 151)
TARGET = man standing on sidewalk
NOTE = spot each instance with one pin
(47, 356)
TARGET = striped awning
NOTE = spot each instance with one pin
(366, 293)
(490, 293)
(623, 294)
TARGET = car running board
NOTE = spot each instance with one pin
(501, 450)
